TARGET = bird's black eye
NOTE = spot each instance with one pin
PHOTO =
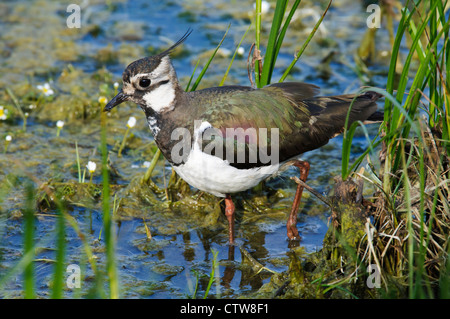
(144, 83)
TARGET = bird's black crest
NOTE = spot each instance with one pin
(148, 64)
(180, 41)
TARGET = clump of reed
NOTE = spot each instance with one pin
(408, 235)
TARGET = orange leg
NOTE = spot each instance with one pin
(291, 225)
(229, 212)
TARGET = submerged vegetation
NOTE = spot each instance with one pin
(389, 224)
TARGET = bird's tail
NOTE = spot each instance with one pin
(378, 116)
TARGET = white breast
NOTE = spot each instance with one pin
(213, 175)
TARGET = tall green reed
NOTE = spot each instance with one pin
(108, 225)
(424, 76)
(29, 278)
(264, 67)
(427, 76)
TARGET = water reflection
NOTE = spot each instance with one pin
(184, 260)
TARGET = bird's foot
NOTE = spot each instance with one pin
(293, 236)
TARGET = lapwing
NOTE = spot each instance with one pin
(225, 140)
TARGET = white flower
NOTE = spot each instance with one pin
(265, 6)
(131, 122)
(116, 85)
(3, 113)
(102, 100)
(91, 166)
(224, 52)
(146, 164)
(32, 106)
(46, 89)
(240, 51)
(60, 124)
(8, 138)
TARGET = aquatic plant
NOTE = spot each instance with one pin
(130, 124)
(91, 167)
(59, 126)
(409, 235)
(264, 67)
(3, 113)
(8, 140)
(46, 89)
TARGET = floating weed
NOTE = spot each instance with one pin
(147, 230)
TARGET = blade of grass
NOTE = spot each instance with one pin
(107, 218)
(192, 76)
(388, 104)
(349, 132)
(205, 68)
(404, 76)
(18, 107)
(413, 99)
(214, 267)
(58, 273)
(283, 33)
(78, 162)
(276, 38)
(258, 39)
(348, 136)
(269, 58)
(410, 248)
(346, 146)
(152, 166)
(299, 54)
(234, 56)
(404, 22)
(29, 279)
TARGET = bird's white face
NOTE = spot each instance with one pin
(155, 89)
(150, 82)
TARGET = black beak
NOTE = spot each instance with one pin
(119, 98)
